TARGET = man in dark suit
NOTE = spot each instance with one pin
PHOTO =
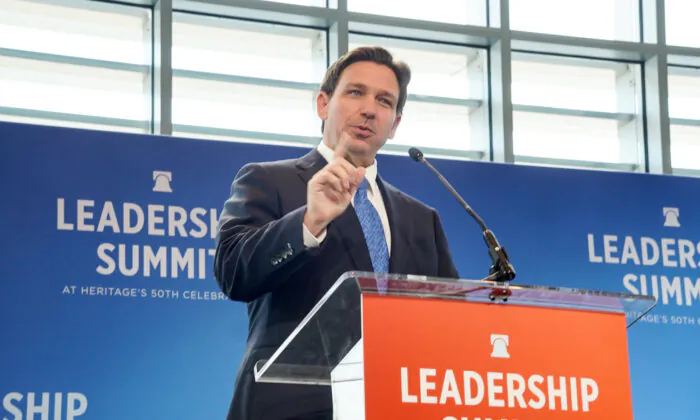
(291, 228)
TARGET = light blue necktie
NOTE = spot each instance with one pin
(372, 229)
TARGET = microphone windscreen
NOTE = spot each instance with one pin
(415, 154)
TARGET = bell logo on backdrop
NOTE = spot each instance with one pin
(664, 265)
(671, 217)
(500, 346)
(162, 181)
(137, 243)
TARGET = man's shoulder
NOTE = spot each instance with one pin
(281, 166)
(274, 164)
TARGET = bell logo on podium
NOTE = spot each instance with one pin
(500, 346)
(162, 181)
(671, 215)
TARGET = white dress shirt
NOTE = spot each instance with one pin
(375, 197)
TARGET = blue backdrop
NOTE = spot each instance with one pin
(109, 309)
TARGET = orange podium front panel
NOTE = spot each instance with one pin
(436, 359)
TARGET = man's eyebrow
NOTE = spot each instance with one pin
(358, 85)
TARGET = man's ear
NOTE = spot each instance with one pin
(322, 100)
(395, 126)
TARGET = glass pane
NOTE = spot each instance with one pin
(467, 12)
(600, 19)
(316, 3)
(434, 125)
(245, 107)
(573, 84)
(88, 29)
(684, 95)
(436, 70)
(567, 137)
(228, 46)
(682, 23)
(73, 89)
(685, 147)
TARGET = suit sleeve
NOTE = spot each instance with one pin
(257, 247)
(446, 266)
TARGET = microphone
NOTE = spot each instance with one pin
(501, 270)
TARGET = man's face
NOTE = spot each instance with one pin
(363, 105)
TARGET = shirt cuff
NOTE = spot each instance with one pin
(311, 241)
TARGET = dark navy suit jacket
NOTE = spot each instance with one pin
(261, 260)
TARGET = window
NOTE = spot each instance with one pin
(565, 137)
(445, 94)
(250, 72)
(573, 84)
(238, 106)
(684, 93)
(465, 12)
(685, 147)
(684, 110)
(434, 125)
(600, 19)
(578, 110)
(232, 47)
(87, 63)
(316, 3)
(245, 76)
(682, 23)
(73, 89)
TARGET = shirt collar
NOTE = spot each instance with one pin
(370, 171)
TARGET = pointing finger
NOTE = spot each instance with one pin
(341, 149)
(359, 174)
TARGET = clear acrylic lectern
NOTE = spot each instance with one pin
(327, 347)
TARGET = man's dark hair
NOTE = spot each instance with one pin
(376, 55)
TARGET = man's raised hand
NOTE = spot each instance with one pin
(331, 189)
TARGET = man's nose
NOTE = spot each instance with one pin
(368, 108)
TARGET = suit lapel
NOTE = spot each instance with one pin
(346, 227)
(401, 253)
(309, 164)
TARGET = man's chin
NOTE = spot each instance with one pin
(361, 156)
(360, 147)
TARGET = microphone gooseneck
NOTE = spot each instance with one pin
(501, 269)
